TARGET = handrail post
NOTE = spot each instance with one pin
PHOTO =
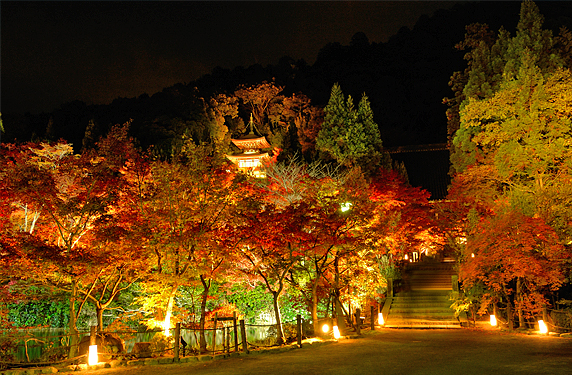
(235, 331)
(177, 342)
(243, 334)
(214, 333)
(299, 329)
(372, 318)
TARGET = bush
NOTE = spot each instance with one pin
(161, 344)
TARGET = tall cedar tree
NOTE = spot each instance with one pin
(349, 135)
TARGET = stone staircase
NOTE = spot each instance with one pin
(422, 299)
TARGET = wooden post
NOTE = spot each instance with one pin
(227, 336)
(389, 287)
(455, 283)
(235, 331)
(177, 342)
(358, 321)
(92, 335)
(243, 334)
(214, 332)
(299, 331)
(372, 318)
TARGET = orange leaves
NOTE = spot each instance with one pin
(511, 246)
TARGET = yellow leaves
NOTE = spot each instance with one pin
(48, 156)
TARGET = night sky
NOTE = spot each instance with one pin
(56, 52)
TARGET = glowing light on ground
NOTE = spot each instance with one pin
(325, 328)
(542, 326)
(493, 321)
(380, 319)
(92, 356)
(336, 332)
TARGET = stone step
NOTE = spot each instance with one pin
(424, 308)
(416, 316)
(425, 303)
(420, 301)
(424, 324)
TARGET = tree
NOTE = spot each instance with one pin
(349, 135)
(514, 255)
(490, 61)
(71, 193)
(512, 148)
(525, 136)
(188, 203)
(270, 246)
(262, 100)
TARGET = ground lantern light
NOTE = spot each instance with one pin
(542, 326)
(336, 332)
(92, 358)
(380, 319)
(493, 321)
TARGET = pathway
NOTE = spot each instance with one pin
(395, 352)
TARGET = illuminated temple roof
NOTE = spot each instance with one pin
(251, 141)
(250, 159)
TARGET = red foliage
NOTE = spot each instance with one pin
(511, 246)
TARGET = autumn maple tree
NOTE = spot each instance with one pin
(186, 206)
(518, 259)
(70, 194)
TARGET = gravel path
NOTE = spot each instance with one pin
(392, 351)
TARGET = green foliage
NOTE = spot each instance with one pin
(388, 269)
(491, 66)
(53, 314)
(349, 135)
(250, 301)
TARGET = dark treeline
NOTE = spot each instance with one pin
(405, 79)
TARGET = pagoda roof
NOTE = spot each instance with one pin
(251, 140)
(248, 142)
(257, 155)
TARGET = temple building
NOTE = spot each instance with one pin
(251, 158)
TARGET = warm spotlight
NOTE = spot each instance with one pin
(380, 320)
(325, 328)
(92, 356)
(336, 332)
(542, 326)
(493, 321)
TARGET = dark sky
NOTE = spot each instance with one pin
(56, 52)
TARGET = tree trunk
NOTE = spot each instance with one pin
(519, 298)
(338, 308)
(204, 297)
(74, 338)
(279, 329)
(509, 315)
(314, 307)
(99, 313)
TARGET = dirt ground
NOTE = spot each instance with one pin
(393, 351)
